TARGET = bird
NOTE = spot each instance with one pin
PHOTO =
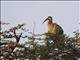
(53, 28)
(55, 33)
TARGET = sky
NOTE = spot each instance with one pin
(64, 13)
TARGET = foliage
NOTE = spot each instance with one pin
(51, 47)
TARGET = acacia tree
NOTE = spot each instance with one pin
(10, 45)
(64, 47)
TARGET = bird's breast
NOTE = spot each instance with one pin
(51, 28)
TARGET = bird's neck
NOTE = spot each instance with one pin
(49, 22)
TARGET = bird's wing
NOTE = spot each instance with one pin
(58, 29)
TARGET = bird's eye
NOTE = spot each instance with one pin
(50, 19)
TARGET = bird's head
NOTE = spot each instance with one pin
(49, 19)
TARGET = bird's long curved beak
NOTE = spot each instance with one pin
(45, 20)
